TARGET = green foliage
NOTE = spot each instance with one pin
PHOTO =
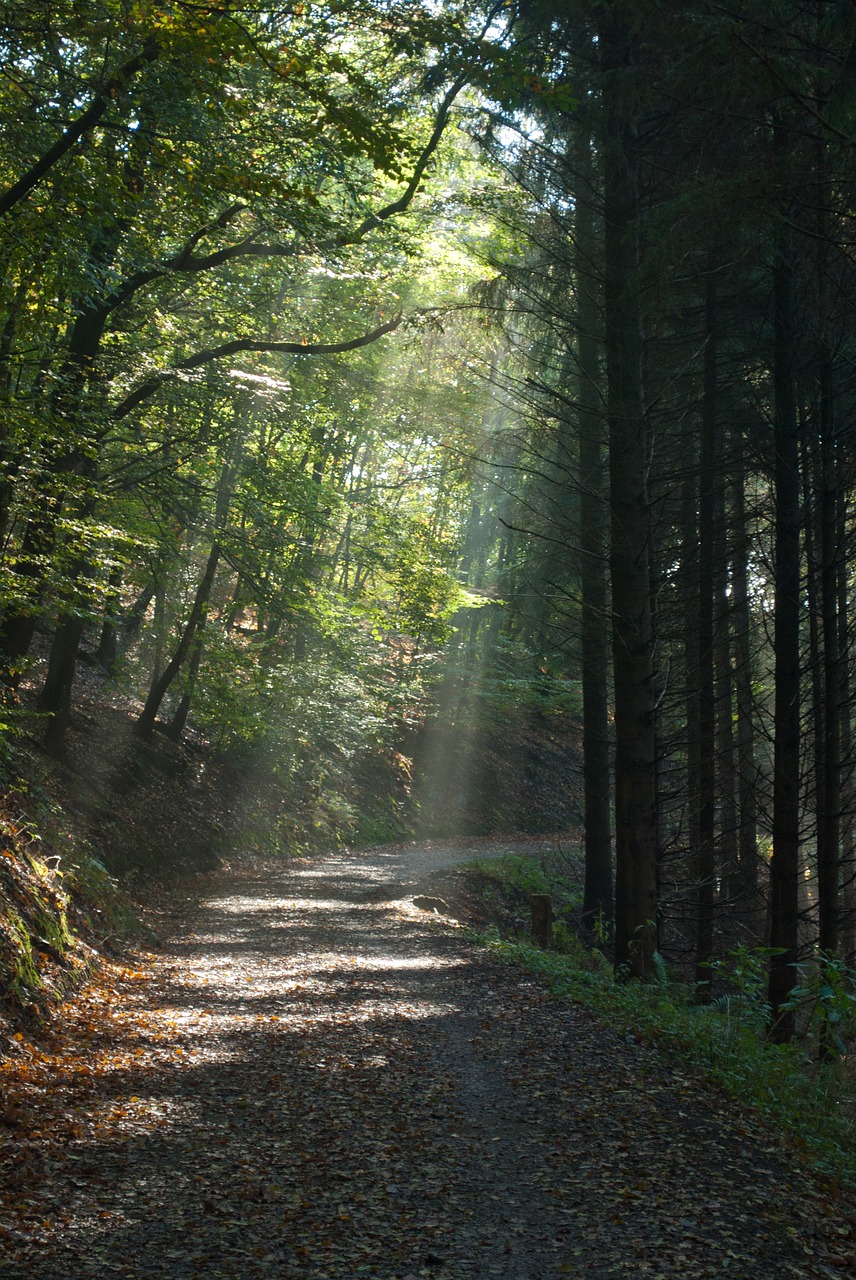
(516, 873)
(99, 905)
(56, 900)
(228, 180)
(34, 905)
(514, 677)
(312, 726)
(744, 973)
(825, 997)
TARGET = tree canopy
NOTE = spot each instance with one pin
(368, 362)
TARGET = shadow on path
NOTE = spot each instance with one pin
(321, 1081)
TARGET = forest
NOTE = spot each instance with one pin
(437, 420)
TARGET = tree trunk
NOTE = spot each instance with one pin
(161, 682)
(727, 857)
(847, 789)
(741, 628)
(689, 578)
(55, 696)
(178, 723)
(594, 638)
(632, 640)
(704, 862)
(785, 860)
(160, 685)
(829, 807)
(108, 642)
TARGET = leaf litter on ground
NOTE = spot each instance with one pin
(316, 1079)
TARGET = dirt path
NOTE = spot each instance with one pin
(321, 1080)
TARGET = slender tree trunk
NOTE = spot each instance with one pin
(829, 808)
(308, 565)
(828, 658)
(846, 746)
(160, 685)
(632, 639)
(689, 579)
(785, 860)
(55, 697)
(178, 723)
(726, 755)
(132, 622)
(812, 502)
(161, 682)
(594, 638)
(741, 627)
(705, 865)
(159, 627)
(108, 642)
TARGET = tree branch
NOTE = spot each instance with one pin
(185, 263)
(400, 205)
(177, 262)
(90, 117)
(152, 384)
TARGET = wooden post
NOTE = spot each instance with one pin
(542, 919)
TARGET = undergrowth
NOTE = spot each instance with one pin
(509, 879)
(802, 1089)
(57, 903)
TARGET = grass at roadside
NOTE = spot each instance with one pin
(808, 1095)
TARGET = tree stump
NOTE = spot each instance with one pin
(542, 919)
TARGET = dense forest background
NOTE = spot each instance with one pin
(416, 403)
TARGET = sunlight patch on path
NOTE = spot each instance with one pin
(253, 965)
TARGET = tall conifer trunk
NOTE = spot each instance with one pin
(727, 860)
(847, 790)
(632, 641)
(741, 626)
(598, 887)
(704, 862)
(785, 860)
(829, 807)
